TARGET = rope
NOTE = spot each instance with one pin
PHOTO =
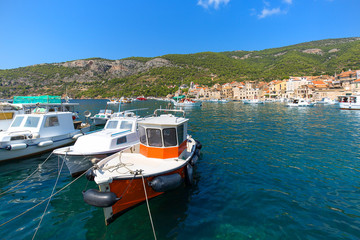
(148, 207)
(42, 201)
(118, 166)
(47, 205)
(39, 167)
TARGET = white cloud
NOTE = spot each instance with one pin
(212, 3)
(268, 12)
(287, 1)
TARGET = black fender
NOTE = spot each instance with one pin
(96, 198)
(166, 183)
(198, 144)
(189, 174)
(90, 175)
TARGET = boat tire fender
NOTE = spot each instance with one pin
(90, 175)
(189, 174)
(96, 198)
(166, 183)
(198, 144)
(194, 159)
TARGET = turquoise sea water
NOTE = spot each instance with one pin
(266, 172)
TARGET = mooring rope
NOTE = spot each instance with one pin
(39, 167)
(148, 207)
(47, 205)
(42, 201)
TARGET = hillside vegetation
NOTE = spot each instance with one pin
(97, 77)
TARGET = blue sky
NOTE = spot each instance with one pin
(48, 31)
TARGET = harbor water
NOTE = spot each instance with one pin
(266, 172)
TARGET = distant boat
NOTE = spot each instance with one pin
(102, 117)
(326, 100)
(252, 101)
(141, 99)
(186, 103)
(300, 102)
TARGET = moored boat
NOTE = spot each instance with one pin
(38, 132)
(186, 103)
(102, 117)
(162, 161)
(252, 101)
(351, 102)
(120, 132)
(300, 102)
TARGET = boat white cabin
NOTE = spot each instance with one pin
(300, 102)
(8, 112)
(102, 117)
(35, 133)
(162, 161)
(120, 132)
(351, 102)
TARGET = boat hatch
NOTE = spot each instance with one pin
(162, 141)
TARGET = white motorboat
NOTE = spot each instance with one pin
(300, 102)
(327, 100)
(186, 103)
(120, 132)
(252, 101)
(38, 132)
(351, 102)
(162, 161)
(102, 117)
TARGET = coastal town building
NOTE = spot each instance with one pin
(310, 87)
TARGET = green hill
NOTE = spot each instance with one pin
(97, 77)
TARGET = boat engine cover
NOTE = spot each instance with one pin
(96, 198)
(165, 183)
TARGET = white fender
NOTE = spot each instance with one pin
(45, 143)
(16, 146)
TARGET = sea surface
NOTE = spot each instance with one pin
(265, 172)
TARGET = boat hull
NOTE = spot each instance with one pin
(100, 121)
(349, 106)
(131, 191)
(33, 148)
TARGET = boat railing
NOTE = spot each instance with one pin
(169, 111)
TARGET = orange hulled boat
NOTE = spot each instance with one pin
(162, 161)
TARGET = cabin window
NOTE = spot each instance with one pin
(127, 125)
(180, 134)
(154, 137)
(169, 135)
(17, 122)
(111, 124)
(142, 135)
(14, 138)
(52, 121)
(32, 122)
(121, 140)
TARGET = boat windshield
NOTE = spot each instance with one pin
(112, 124)
(126, 125)
(102, 111)
(108, 111)
(169, 135)
(154, 137)
(17, 121)
(32, 122)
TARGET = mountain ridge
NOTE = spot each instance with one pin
(158, 76)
